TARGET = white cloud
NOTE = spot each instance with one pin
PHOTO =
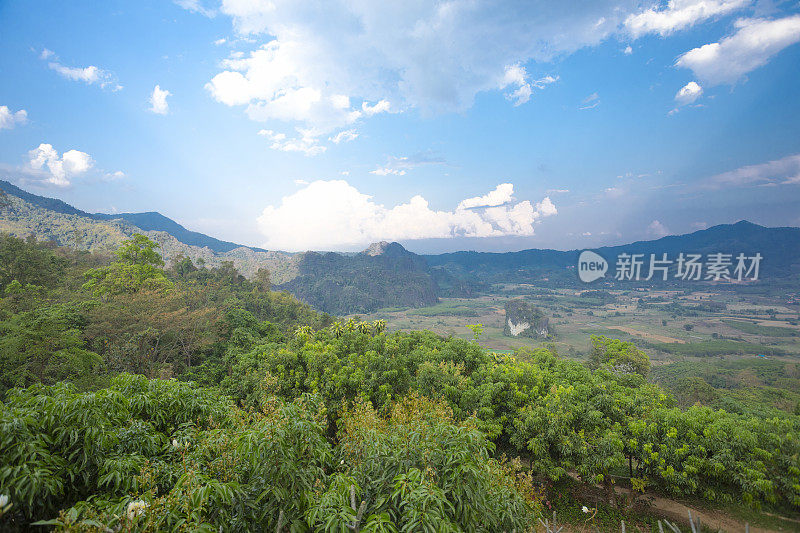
(334, 215)
(628, 50)
(113, 176)
(657, 229)
(398, 166)
(90, 75)
(688, 93)
(8, 119)
(680, 14)
(195, 6)
(344, 136)
(784, 171)
(431, 56)
(158, 100)
(502, 194)
(590, 102)
(58, 169)
(381, 107)
(220, 41)
(557, 191)
(755, 42)
(385, 171)
(305, 144)
(517, 76)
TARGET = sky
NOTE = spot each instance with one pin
(459, 125)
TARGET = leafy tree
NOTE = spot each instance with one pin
(138, 266)
(622, 356)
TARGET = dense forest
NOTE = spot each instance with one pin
(140, 396)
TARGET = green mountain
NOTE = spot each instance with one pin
(779, 247)
(385, 274)
(150, 221)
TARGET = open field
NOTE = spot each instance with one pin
(704, 334)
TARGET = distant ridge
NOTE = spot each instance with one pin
(149, 221)
(385, 274)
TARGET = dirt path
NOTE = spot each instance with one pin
(678, 513)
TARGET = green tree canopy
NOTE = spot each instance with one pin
(620, 356)
(138, 266)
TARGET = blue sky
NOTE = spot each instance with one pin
(444, 125)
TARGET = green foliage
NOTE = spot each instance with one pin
(155, 455)
(28, 262)
(45, 345)
(767, 331)
(716, 347)
(311, 424)
(363, 282)
(477, 331)
(623, 357)
(138, 266)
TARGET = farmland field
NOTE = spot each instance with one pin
(700, 334)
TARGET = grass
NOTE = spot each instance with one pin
(715, 348)
(767, 331)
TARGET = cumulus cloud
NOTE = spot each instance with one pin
(784, 171)
(335, 215)
(688, 93)
(90, 75)
(755, 42)
(502, 194)
(58, 169)
(435, 57)
(158, 100)
(657, 229)
(272, 84)
(679, 14)
(305, 144)
(9, 119)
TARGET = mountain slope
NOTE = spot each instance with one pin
(24, 214)
(150, 221)
(780, 248)
(383, 275)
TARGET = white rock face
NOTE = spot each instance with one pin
(516, 329)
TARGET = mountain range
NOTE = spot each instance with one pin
(385, 274)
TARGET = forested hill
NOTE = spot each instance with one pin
(383, 275)
(138, 397)
(150, 221)
(780, 248)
